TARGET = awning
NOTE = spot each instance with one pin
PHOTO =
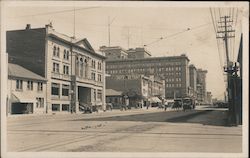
(155, 100)
(21, 98)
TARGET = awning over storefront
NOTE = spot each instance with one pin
(155, 100)
(21, 98)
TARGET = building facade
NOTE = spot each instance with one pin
(114, 53)
(138, 88)
(26, 91)
(138, 53)
(74, 71)
(193, 81)
(201, 85)
(174, 70)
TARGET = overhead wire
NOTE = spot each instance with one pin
(212, 17)
(55, 12)
(175, 34)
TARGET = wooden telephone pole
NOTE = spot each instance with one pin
(225, 33)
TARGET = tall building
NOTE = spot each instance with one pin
(174, 70)
(193, 81)
(209, 98)
(74, 71)
(201, 85)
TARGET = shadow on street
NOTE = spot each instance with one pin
(205, 117)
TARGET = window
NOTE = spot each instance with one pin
(40, 102)
(56, 67)
(66, 54)
(54, 51)
(55, 89)
(58, 52)
(65, 69)
(65, 107)
(94, 94)
(93, 76)
(93, 64)
(39, 86)
(19, 84)
(99, 95)
(99, 78)
(55, 107)
(65, 90)
(30, 85)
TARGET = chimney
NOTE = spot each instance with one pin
(28, 26)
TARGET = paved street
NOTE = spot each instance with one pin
(137, 130)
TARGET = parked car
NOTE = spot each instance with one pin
(86, 108)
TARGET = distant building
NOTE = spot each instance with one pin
(115, 97)
(193, 81)
(201, 85)
(138, 88)
(209, 98)
(174, 70)
(113, 53)
(26, 91)
(74, 71)
(138, 53)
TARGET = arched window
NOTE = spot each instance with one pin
(54, 51)
(58, 52)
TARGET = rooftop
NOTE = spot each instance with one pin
(15, 70)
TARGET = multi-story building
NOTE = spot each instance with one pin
(26, 91)
(138, 53)
(193, 81)
(201, 85)
(74, 71)
(174, 70)
(209, 98)
(113, 53)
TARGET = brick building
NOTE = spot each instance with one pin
(174, 70)
(74, 71)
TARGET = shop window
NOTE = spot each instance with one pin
(55, 107)
(65, 107)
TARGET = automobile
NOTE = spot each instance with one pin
(109, 106)
(177, 104)
(86, 108)
(188, 103)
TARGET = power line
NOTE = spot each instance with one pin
(55, 12)
(216, 39)
(175, 34)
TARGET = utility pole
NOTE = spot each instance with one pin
(109, 23)
(128, 37)
(225, 23)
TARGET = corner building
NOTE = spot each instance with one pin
(74, 71)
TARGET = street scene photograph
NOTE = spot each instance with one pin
(124, 79)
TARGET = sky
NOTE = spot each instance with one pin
(165, 30)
